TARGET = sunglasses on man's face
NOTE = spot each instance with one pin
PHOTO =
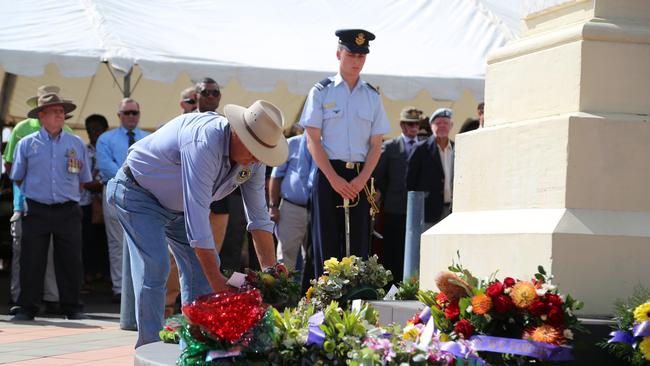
(213, 92)
(189, 101)
(130, 113)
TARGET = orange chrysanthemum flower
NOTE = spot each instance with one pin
(523, 294)
(545, 334)
(481, 304)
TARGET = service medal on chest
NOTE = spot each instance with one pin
(73, 164)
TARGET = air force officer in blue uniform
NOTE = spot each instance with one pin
(163, 195)
(345, 121)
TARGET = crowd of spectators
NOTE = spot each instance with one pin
(420, 158)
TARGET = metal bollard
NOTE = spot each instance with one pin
(127, 303)
(414, 226)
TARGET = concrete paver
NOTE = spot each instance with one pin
(53, 342)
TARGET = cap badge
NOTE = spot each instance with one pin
(360, 39)
(243, 175)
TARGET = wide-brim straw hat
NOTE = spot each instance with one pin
(49, 100)
(260, 128)
(42, 90)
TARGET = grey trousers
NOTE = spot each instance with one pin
(115, 239)
(50, 290)
(291, 231)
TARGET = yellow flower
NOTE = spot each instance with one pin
(523, 294)
(310, 290)
(481, 304)
(331, 263)
(546, 334)
(347, 261)
(642, 312)
(644, 347)
(411, 333)
(444, 337)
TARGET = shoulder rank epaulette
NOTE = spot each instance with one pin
(323, 83)
(372, 87)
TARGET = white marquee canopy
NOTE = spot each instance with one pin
(440, 46)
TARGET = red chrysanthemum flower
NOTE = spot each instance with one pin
(464, 329)
(452, 311)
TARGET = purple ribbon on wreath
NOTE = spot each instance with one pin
(316, 335)
(539, 350)
(640, 330)
(461, 351)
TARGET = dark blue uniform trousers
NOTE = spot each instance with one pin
(328, 221)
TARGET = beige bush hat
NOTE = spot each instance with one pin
(410, 114)
(48, 100)
(260, 128)
(42, 90)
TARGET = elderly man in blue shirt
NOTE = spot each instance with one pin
(289, 191)
(50, 167)
(163, 195)
(111, 150)
(345, 121)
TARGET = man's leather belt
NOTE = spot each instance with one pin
(129, 173)
(31, 202)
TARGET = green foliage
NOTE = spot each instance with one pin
(278, 288)
(463, 273)
(351, 278)
(408, 289)
(624, 317)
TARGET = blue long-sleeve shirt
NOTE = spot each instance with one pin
(51, 169)
(186, 166)
(112, 148)
(297, 172)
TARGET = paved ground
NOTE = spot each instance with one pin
(53, 340)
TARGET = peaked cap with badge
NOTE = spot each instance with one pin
(355, 40)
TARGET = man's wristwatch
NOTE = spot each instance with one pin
(271, 205)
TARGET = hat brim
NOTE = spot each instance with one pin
(270, 156)
(355, 49)
(32, 102)
(409, 120)
(67, 107)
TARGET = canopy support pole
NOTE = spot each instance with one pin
(7, 90)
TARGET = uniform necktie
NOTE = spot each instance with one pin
(131, 137)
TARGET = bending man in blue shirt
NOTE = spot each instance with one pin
(163, 195)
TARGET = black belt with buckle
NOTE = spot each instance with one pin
(345, 164)
(129, 174)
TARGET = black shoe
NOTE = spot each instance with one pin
(19, 317)
(116, 299)
(76, 316)
(14, 310)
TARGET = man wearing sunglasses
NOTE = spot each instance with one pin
(188, 100)
(111, 150)
(208, 95)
